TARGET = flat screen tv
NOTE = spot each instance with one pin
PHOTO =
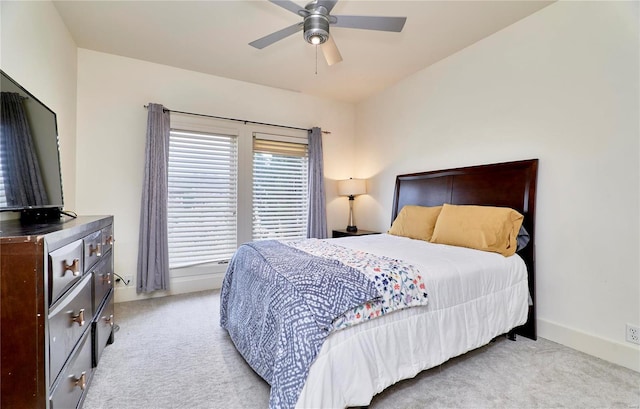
(30, 177)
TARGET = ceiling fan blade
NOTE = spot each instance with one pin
(395, 24)
(288, 5)
(330, 51)
(276, 36)
(328, 4)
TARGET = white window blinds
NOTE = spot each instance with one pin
(3, 195)
(279, 187)
(202, 206)
(3, 164)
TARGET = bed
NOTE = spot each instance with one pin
(348, 366)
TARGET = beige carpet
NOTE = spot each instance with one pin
(171, 353)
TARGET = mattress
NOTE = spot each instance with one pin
(474, 296)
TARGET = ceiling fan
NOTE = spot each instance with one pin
(315, 26)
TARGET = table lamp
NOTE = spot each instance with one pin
(352, 187)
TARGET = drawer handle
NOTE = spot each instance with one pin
(81, 381)
(109, 320)
(79, 318)
(73, 267)
(106, 278)
(94, 250)
(109, 241)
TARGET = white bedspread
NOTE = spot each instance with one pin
(473, 297)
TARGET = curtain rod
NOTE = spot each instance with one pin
(238, 120)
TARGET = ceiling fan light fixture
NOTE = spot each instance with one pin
(316, 29)
(316, 39)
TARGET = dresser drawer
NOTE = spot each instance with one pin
(65, 268)
(103, 328)
(107, 239)
(92, 249)
(67, 322)
(67, 394)
(102, 280)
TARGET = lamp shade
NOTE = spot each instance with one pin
(352, 187)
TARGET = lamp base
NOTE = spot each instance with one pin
(352, 229)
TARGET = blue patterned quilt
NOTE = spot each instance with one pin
(278, 304)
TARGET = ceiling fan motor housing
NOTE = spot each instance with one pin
(316, 24)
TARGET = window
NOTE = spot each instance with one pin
(202, 203)
(279, 188)
(231, 183)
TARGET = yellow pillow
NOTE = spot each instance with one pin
(415, 222)
(485, 228)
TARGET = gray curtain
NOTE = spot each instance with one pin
(317, 222)
(22, 177)
(153, 250)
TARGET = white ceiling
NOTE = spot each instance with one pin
(212, 37)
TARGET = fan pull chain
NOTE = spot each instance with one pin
(316, 60)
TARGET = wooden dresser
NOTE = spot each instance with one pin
(56, 305)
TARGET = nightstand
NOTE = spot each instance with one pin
(360, 232)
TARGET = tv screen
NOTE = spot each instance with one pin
(30, 178)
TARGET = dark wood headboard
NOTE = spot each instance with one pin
(509, 184)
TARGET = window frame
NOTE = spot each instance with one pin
(245, 133)
(204, 180)
(288, 140)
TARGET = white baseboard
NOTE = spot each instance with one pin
(178, 285)
(626, 355)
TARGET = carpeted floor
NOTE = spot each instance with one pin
(171, 353)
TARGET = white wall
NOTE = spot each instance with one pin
(561, 86)
(38, 52)
(111, 138)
